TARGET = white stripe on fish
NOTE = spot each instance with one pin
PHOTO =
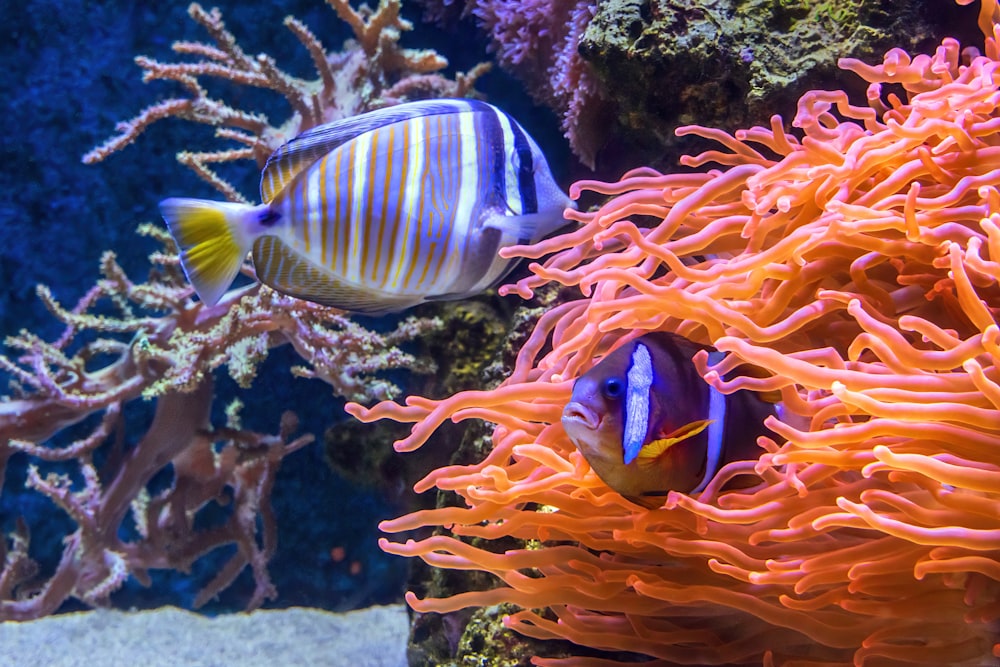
(382, 211)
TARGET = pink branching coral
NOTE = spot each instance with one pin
(372, 72)
(857, 261)
(125, 341)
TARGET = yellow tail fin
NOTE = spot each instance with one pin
(211, 242)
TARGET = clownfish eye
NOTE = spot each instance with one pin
(613, 388)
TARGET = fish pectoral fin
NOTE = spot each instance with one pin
(529, 227)
(657, 447)
(211, 242)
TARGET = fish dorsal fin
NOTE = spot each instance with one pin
(655, 448)
(305, 149)
(287, 271)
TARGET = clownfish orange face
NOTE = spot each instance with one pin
(648, 423)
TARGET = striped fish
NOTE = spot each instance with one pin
(380, 212)
(648, 423)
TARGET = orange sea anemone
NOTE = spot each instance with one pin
(856, 259)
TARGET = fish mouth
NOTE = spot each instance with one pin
(576, 415)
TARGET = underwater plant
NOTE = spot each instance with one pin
(855, 260)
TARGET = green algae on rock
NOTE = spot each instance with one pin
(664, 63)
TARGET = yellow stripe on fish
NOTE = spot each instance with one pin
(382, 211)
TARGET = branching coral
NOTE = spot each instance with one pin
(126, 340)
(856, 261)
(372, 72)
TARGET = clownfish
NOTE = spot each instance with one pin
(648, 423)
(380, 212)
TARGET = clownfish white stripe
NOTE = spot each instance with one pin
(716, 428)
(639, 383)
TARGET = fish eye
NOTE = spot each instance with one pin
(613, 388)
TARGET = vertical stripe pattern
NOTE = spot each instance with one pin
(717, 403)
(399, 208)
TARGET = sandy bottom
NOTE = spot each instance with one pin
(374, 637)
